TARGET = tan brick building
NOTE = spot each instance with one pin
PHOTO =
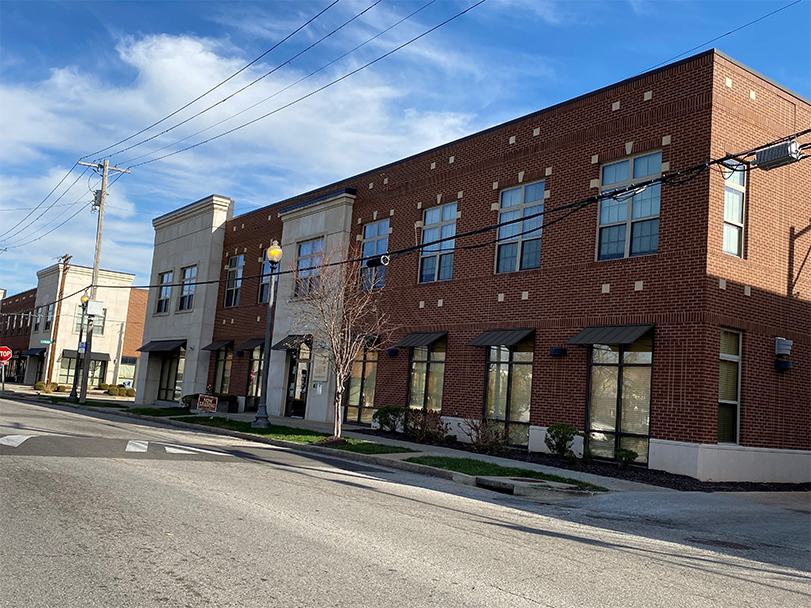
(650, 321)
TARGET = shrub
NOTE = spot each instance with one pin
(390, 418)
(425, 426)
(625, 457)
(486, 436)
(113, 390)
(588, 456)
(103, 386)
(61, 388)
(124, 386)
(189, 400)
(450, 439)
(39, 386)
(559, 439)
(130, 392)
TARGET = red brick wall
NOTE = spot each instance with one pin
(565, 292)
(136, 316)
(18, 305)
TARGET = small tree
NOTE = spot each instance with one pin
(341, 308)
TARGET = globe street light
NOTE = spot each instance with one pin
(73, 395)
(273, 255)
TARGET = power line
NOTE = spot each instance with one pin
(722, 36)
(232, 76)
(250, 84)
(290, 86)
(318, 90)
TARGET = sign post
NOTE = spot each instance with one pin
(5, 356)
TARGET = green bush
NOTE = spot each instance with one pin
(625, 457)
(559, 439)
(113, 390)
(130, 392)
(486, 436)
(103, 386)
(39, 386)
(124, 386)
(61, 388)
(425, 426)
(390, 418)
(450, 438)
(190, 400)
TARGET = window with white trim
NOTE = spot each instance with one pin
(264, 284)
(308, 267)
(188, 277)
(37, 318)
(734, 196)
(629, 223)
(164, 292)
(436, 260)
(49, 317)
(233, 281)
(520, 242)
(375, 242)
(729, 386)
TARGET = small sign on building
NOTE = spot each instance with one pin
(207, 403)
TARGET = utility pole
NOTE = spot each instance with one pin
(64, 264)
(101, 197)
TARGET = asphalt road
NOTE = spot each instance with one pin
(103, 511)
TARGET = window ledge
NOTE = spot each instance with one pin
(184, 312)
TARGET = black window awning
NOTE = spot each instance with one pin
(251, 344)
(72, 354)
(420, 338)
(501, 337)
(292, 342)
(218, 344)
(610, 334)
(33, 352)
(161, 346)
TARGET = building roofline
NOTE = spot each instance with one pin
(53, 267)
(202, 200)
(317, 199)
(669, 66)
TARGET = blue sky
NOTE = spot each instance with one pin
(76, 77)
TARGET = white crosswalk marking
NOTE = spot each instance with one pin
(172, 450)
(137, 446)
(14, 440)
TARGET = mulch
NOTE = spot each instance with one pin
(639, 474)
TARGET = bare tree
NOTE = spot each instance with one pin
(341, 306)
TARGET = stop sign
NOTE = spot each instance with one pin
(5, 353)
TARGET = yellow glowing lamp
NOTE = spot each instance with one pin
(273, 254)
(85, 299)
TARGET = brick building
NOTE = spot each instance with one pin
(41, 326)
(650, 320)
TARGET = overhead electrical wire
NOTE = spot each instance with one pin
(215, 87)
(318, 90)
(250, 84)
(288, 87)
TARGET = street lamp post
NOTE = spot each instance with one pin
(273, 254)
(74, 397)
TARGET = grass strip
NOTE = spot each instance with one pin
(158, 411)
(480, 468)
(296, 435)
(92, 402)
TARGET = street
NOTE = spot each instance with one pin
(103, 511)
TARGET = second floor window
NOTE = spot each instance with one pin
(375, 242)
(189, 277)
(164, 292)
(233, 281)
(436, 260)
(37, 318)
(264, 284)
(520, 242)
(49, 317)
(734, 194)
(98, 322)
(629, 225)
(308, 267)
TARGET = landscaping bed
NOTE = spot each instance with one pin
(611, 469)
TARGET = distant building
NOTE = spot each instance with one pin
(41, 326)
(657, 322)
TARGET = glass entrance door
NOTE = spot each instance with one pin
(171, 380)
(297, 381)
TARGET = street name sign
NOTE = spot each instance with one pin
(46, 341)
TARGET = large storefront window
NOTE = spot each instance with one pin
(427, 376)
(360, 397)
(126, 371)
(509, 388)
(619, 398)
(222, 371)
(171, 380)
(67, 368)
(255, 379)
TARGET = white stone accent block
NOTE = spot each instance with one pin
(493, 206)
(595, 159)
(595, 183)
(439, 303)
(629, 146)
(501, 297)
(647, 96)
(722, 283)
(422, 304)
(615, 106)
(747, 290)
(525, 295)
(606, 288)
(495, 185)
(451, 159)
(751, 94)
(460, 194)
(548, 171)
(520, 176)
(536, 131)
(433, 165)
(638, 285)
(547, 194)
(666, 140)
(665, 166)
(512, 139)
(728, 82)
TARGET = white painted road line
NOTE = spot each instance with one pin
(172, 450)
(14, 440)
(182, 449)
(137, 446)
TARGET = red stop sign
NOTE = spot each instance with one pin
(5, 353)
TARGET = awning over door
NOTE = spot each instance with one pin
(610, 334)
(33, 352)
(292, 342)
(161, 346)
(218, 344)
(501, 337)
(251, 344)
(420, 338)
(72, 354)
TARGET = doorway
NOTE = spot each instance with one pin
(298, 378)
